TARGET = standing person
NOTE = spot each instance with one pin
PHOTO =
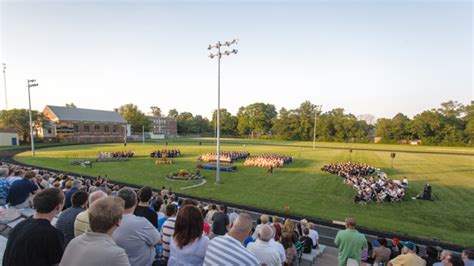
(135, 234)
(66, 219)
(143, 209)
(96, 247)
(21, 191)
(220, 224)
(350, 243)
(167, 232)
(35, 241)
(408, 256)
(188, 245)
(81, 224)
(229, 249)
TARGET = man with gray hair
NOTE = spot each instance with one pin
(442, 256)
(229, 249)
(262, 249)
(76, 184)
(81, 224)
(4, 186)
(136, 234)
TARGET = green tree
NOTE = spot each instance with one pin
(173, 113)
(185, 123)
(19, 120)
(135, 117)
(451, 109)
(256, 118)
(469, 120)
(71, 105)
(228, 122)
(156, 111)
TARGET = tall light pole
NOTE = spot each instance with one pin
(31, 83)
(219, 55)
(317, 109)
(5, 84)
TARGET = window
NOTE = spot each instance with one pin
(76, 128)
(50, 131)
(96, 128)
(87, 128)
(115, 128)
(106, 129)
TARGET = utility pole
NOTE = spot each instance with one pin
(317, 109)
(31, 83)
(143, 134)
(219, 55)
(5, 84)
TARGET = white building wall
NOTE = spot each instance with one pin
(6, 139)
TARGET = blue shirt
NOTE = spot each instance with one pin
(68, 196)
(4, 187)
(20, 191)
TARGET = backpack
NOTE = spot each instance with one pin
(307, 244)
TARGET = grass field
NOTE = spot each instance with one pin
(303, 187)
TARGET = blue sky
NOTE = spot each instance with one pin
(377, 57)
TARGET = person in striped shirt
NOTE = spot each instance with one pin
(167, 231)
(229, 249)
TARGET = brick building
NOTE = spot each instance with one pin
(82, 125)
(163, 127)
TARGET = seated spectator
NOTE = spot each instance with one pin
(453, 260)
(263, 220)
(188, 245)
(408, 257)
(4, 186)
(81, 224)
(277, 226)
(443, 255)
(261, 248)
(468, 257)
(232, 217)
(212, 209)
(229, 249)
(396, 247)
(313, 234)
(15, 175)
(65, 222)
(220, 222)
(290, 228)
(76, 184)
(21, 191)
(307, 241)
(143, 209)
(277, 245)
(170, 210)
(135, 234)
(290, 249)
(381, 253)
(97, 248)
(35, 241)
(167, 232)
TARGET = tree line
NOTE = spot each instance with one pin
(451, 124)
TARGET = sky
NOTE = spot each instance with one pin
(368, 57)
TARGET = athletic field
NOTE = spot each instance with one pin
(301, 185)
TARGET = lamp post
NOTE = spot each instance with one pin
(5, 84)
(219, 55)
(317, 109)
(31, 83)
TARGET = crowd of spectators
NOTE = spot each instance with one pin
(115, 154)
(166, 153)
(111, 225)
(369, 186)
(268, 160)
(225, 156)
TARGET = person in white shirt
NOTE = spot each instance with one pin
(277, 245)
(261, 248)
(313, 234)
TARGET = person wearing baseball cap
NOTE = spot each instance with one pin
(408, 256)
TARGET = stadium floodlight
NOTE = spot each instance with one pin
(31, 83)
(219, 54)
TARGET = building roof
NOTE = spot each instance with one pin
(81, 114)
(7, 130)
